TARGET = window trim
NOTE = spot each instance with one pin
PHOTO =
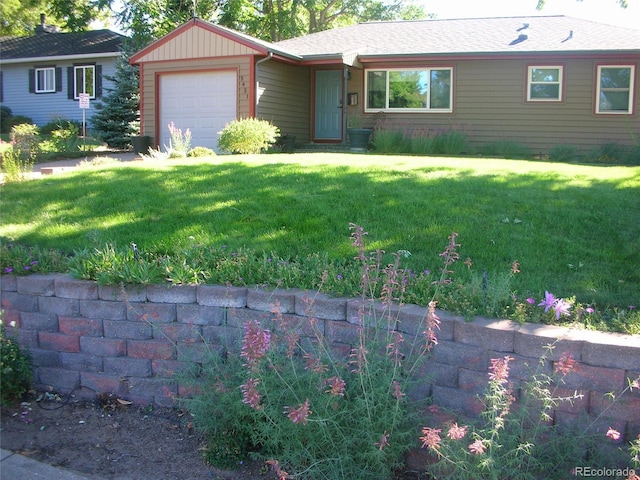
(52, 72)
(631, 89)
(76, 93)
(560, 83)
(429, 69)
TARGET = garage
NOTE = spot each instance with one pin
(203, 102)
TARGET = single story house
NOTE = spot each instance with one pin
(539, 81)
(42, 76)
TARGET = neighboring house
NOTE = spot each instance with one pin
(43, 75)
(536, 81)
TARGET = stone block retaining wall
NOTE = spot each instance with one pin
(95, 338)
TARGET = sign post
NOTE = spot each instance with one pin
(84, 104)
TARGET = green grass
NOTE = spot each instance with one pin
(575, 230)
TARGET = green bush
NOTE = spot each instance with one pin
(563, 153)
(15, 368)
(387, 140)
(247, 135)
(504, 149)
(5, 115)
(309, 408)
(61, 124)
(201, 152)
(16, 120)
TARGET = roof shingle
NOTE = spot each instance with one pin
(467, 36)
(60, 44)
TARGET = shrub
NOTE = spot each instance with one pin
(15, 368)
(5, 116)
(517, 438)
(180, 142)
(16, 120)
(504, 149)
(387, 140)
(201, 152)
(613, 153)
(61, 124)
(247, 135)
(563, 153)
(310, 408)
(24, 138)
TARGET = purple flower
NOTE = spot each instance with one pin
(589, 310)
(548, 302)
(339, 277)
(562, 307)
(531, 300)
(8, 270)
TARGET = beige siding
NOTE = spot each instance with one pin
(490, 105)
(150, 71)
(196, 43)
(285, 98)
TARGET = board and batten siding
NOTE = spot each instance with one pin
(285, 98)
(489, 99)
(43, 108)
(195, 43)
(149, 85)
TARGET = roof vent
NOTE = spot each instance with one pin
(523, 27)
(569, 37)
(521, 38)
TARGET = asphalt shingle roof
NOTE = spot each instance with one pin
(60, 44)
(467, 36)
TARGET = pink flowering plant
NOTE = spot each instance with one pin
(516, 436)
(314, 409)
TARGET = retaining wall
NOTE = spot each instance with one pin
(130, 342)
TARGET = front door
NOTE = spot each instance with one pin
(328, 105)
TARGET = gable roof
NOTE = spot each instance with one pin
(505, 35)
(49, 45)
(216, 34)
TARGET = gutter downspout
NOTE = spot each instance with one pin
(262, 60)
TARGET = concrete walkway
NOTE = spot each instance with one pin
(17, 467)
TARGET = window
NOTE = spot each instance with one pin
(615, 89)
(84, 81)
(544, 84)
(45, 80)
(409, 90)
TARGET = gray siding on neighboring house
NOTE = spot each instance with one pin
(45, 107)
(489, 105)
(285, 98)
(149, 84)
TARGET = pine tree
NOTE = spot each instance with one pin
(117, 116)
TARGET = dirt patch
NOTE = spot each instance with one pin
(114, 441)
(111, 440)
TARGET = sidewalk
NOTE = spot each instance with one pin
(17, 467)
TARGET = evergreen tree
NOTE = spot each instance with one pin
(117, 116)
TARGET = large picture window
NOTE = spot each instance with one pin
(544, 84)
(409, 90)
(84, 81)
(45, 80)
(615, 89)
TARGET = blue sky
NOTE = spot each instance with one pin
(603, 11)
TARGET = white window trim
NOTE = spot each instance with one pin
(632, 81)
(560, 83)
(47, 71)
(76, 93)
(406, 110)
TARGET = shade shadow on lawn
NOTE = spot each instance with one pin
(571, 236)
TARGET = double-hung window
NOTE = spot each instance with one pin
(544, 84)
(45, 80)
(84, 81)
(614, 91)
(409, 90)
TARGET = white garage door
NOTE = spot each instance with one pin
(202, 102)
